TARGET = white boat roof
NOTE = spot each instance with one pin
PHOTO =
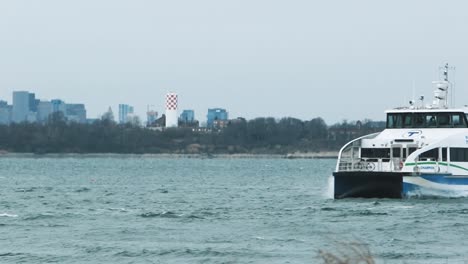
(427, 110)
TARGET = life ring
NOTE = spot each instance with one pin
(370, 166)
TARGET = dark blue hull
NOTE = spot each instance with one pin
(365, 184)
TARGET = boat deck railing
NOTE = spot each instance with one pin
(349, 159)
(364, 164)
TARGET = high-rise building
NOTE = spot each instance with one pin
(187, 116)
(171, 110)
(76, 113)
(5, 113)
(216, 114)
(33, 102)
(44, 110)
(151, 117)
(31, 117)
(124, 111)
(59, 106)
(21, 106)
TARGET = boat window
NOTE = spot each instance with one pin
(431, 120)
(444, 154)
(458, 120)
(396, 152)
(419, 120)
(444, 120)
(432, 154)
(375, 153)
(411, 150)
(394, 121)
(459, 154)
(408, 120)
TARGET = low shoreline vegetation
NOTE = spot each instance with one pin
(257, 136)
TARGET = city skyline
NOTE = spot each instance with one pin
(25, 106)
(301, 59)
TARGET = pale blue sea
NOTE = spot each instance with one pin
(150, 210)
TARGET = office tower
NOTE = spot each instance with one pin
(187, 116)
(59, 106)
(124, 111)
(216, 114)
(76, 113)
(44, 110)
(21, 106)
(151, 117)
(5, 113)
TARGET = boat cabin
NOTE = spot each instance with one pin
(427, 119)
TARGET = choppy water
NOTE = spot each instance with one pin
(147, 210)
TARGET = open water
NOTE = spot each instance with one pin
(149, 210)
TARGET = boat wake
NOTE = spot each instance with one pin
(432, 193)
(330, 191)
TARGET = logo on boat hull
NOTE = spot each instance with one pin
(412, 134)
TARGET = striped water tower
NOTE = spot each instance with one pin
(171, 110)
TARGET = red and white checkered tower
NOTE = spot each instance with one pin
(171, 110)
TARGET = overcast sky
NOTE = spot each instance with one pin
(300, 58)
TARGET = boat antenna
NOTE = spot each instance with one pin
(446, 68)
(445, 71)
(446, 79)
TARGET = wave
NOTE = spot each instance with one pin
(8, 215)
(32, 189)
(435, 194)
(38, 217)
(207, 252)
(144, 253)
(83, 189)
(167, 214)
(118, 209)
(10, 254)
(362, 213)
(454, 211)
(328, 209)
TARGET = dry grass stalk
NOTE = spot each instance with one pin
(348, 253)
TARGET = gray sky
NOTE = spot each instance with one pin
(334, 59)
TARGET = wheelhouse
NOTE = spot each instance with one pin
(397, 120)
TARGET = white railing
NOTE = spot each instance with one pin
(349, 157)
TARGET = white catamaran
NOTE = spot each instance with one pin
(422, 151)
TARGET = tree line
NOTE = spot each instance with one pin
(257, 136)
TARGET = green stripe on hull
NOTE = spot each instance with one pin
(435, 163)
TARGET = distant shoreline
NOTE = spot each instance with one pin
(312, 155)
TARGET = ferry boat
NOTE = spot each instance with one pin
(423, 151)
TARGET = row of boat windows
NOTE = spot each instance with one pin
(426, 120)
(456, 154)
(384, 153)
